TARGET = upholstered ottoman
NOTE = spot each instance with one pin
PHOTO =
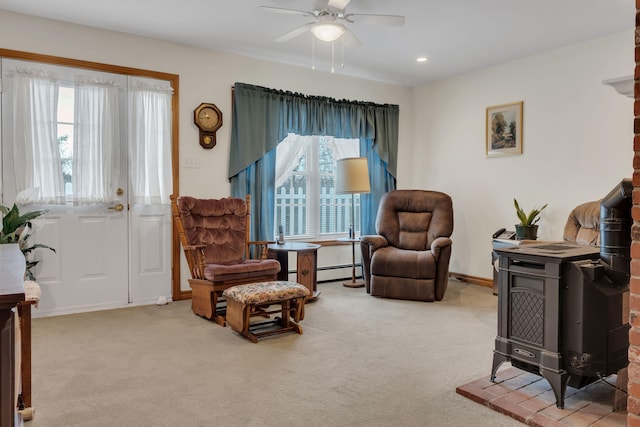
(254, 299)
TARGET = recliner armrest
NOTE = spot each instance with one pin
(438, 244)
(375, 242)
(368, 245)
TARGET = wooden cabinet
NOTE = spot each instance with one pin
(306, 268)
(307, 271)
(8, 381)
(12, 265)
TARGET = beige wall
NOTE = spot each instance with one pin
(577, 132)
(577, 141)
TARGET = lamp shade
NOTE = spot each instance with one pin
(328, 31)
(352, 175)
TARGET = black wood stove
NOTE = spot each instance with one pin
(563, 309)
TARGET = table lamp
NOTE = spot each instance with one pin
(352, 177)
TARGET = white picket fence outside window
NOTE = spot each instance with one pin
(335, 213)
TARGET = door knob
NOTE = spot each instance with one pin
(119, 207)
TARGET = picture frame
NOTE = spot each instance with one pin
(504, 129)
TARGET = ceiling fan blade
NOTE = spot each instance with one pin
(350, 39)
(286, 11)
(295, 32)
(363, 18)
(338, 4)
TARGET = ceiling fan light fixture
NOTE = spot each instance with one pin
(328, 31)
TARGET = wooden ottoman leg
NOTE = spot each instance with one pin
(284, 312)
(235, 315)
(297, 313)
(238, 317)
(297, 309)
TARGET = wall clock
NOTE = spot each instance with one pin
(208, 118)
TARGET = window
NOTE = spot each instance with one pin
(306, 205)
(65, 124)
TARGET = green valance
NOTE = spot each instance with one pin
(263, 117)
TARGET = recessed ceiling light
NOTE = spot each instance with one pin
(421, 59)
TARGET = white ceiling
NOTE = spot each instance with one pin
(456, 35)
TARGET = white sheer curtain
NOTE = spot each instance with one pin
(96, 149)
(343, 147)
(38, 169)
(288, 155)
(294, 146)
(150, 141)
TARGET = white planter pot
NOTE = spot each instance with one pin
(12, 269)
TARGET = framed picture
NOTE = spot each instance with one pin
(504, 130)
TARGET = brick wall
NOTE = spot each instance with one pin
(633, 403)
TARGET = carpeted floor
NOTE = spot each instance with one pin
(529, 398)
(361, 361)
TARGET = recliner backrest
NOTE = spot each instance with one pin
(218, 223)
(583, 224)
(413, 219)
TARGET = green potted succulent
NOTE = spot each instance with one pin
(528, 227)
(16, 229)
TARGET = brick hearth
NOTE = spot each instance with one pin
(529, 399)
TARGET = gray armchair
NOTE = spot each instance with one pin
(409, 257)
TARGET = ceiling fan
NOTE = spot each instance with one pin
(328, 22)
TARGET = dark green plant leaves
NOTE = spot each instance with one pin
(15, 229)
(530, 218)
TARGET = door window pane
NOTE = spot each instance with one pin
(65, 125)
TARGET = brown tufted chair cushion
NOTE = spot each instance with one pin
(409, 258)
(583, 224)
(217, 223)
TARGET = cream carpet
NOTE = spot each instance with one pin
(362, 361)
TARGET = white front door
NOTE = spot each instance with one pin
(108, 254)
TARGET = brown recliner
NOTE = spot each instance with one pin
(214, 234)
(409, 258)
(583, 224)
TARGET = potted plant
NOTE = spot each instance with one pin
(528, 228)
(16, 229)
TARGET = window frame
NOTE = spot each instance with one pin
(314, 177)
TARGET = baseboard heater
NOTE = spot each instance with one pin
(335, 267)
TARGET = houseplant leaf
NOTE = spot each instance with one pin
(15, 229)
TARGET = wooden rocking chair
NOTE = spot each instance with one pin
(215, 237)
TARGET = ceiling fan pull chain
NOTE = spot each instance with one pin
(313, 53)
(342, 59)
(333, 44)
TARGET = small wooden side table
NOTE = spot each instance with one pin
(307, 260)
(353, 283)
